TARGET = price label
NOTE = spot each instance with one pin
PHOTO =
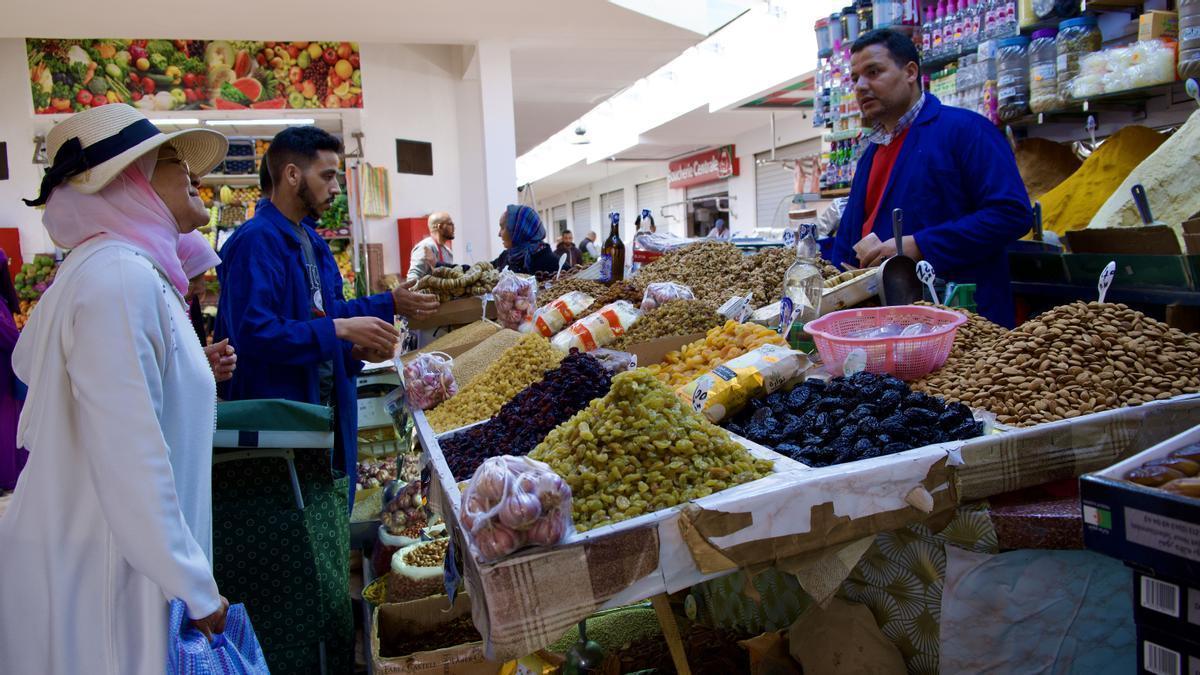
(700, 395)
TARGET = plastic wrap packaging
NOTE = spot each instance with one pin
(1141, 64)
(552, 318)
(649, 246)
(428, 380)
(724, 390)
(614, 361)
(516, 299)
(513, 502)
(662, 292)
(404, 514)
(598, 329)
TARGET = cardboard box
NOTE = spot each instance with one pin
(1157, 23)
(1155, 530)
(393, 621)
(652, 352)
(1160, 653)
(1145, 256)
(1167, 604)
(455, 313)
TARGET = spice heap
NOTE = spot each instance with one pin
(1072, 204)
(448, 283)
(470, 334)
(1073, 360)
(720, 345)
(676, 317)
(557, 289)
(852, 418)
(639, 450)
(517, 368)
(1044, 164)
(468, 365)
(711, 269)
(525, 420)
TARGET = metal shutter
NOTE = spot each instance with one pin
(581, 217)
(653, 196)
(708, 189)
(610, 202)
(773, 183)
(559, 216)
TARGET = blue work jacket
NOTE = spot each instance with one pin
(956, 180)
(266, 313)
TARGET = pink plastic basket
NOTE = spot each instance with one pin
(908, 358)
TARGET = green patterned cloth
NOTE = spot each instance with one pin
(289, 567)
(899, 578)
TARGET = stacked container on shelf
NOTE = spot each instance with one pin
(1189, 38)
(1012, 74)
(1043, 77)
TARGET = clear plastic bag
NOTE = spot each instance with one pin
(561, 313)
(404, 515)
(516, 299)
(598, 329)
(650, 246)
(428, 380)
(512, 502)
(662, 292)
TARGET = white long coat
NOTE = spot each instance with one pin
(112, 516)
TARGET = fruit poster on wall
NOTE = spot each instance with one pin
(71, 75)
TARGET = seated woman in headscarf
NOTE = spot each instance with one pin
(525, 247)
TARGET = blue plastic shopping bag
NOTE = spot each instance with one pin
(234, 652)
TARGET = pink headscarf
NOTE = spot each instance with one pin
(127, 209)
(196, 254)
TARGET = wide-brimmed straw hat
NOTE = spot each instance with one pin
(91, 148)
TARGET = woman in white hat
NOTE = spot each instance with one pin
(112, 516)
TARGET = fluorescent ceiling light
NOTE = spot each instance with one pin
(175, 121)
(275, 121)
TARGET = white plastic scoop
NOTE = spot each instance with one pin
(926, 275)
(1193, 90)
(1106, 279)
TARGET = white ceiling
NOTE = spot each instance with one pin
(567, 55)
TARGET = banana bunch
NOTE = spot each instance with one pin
(226, 194)
(449, 283)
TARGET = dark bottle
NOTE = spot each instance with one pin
(612, 256)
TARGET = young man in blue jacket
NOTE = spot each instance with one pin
(950, 170)
(281, 303)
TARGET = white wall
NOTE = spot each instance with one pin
(793, 128)
(17, 129)
(414, 92)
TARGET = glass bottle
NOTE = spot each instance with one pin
(927, 34)
(612, 256)
(939, 30)
(802, 286)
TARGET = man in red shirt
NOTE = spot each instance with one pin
(949, 170)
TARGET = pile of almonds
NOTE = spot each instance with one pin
(1073, 360)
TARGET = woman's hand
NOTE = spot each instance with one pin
(222, 359)
(214, 623)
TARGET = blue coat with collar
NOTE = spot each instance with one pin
(956, 180)
(265, 311)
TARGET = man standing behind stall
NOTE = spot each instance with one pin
(281, 303)
(433, 250)
(949, 170)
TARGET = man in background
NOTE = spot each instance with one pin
(720, 230)
(433, 250)
(566, 244)
(588, 246)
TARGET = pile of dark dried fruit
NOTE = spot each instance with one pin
(524, 421)
(852, 418)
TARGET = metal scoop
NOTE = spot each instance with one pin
(1143, 206)
(898, 282)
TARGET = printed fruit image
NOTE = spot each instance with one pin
(250, 87)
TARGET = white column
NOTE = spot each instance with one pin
(499, 131)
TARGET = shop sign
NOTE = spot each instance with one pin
(705, 167)
(68, 76)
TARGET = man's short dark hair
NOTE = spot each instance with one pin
(264, 177)
(899, 45)
(299, 146)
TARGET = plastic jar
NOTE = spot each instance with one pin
(1076, 38)
(1012, 77)
(1189, 38)
(1043, 79)
(824, 43)
(850, 25)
